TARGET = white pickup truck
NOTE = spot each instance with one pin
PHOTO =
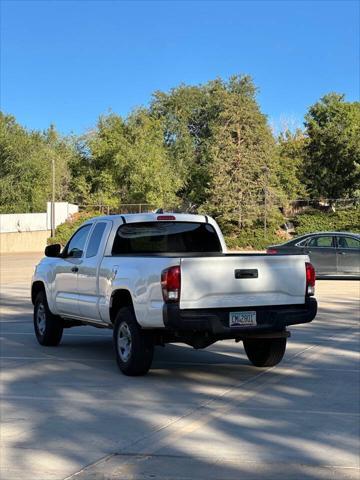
(161, 278)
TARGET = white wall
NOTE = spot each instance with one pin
(62, 211)
(32, 222)
(22, 222)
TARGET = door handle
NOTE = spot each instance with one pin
(75, 269)
(114, 271)
(246, 273)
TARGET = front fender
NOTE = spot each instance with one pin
(44, 274)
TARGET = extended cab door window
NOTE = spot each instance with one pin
(95, 239)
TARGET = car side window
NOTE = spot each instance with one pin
(348, 242)
(75, 247)
(95, 239)
(303, 243)
(325, 241)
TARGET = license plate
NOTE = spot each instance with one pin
(242, 319)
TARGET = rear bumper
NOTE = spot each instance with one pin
(216, 321)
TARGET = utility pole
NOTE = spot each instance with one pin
(53, 197)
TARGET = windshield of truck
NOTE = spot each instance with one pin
(166, 237)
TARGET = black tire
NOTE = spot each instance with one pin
(265, 352)
(48, 327)
(134, 348)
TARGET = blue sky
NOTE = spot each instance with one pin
(67, 62)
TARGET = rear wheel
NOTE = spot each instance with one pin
(134, 347)
(265, 352)
(48, 327)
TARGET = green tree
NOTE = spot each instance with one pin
(63, 151)
(25, 166)
(188, 114)
(291, 147)
(243, 160)
(96, 177)
(150, 176)
(128, 162)
(333, 149)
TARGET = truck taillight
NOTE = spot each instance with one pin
(310, 279)
(171, 283)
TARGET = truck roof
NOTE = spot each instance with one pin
(153, 217)
(128, 218)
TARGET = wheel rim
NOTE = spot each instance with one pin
(124, 342)
(41, 319)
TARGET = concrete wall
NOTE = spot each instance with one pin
(23, 241)
(23, 222)
(28, 232)
(33, 222)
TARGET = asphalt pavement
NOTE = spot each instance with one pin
(67, 412)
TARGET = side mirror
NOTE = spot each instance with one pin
(75, 253)
(53, 250)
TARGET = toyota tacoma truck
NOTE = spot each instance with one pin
(163, 278)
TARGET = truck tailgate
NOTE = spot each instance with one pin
(242, 281)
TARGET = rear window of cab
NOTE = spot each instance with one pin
(166, 237)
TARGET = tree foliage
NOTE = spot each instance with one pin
(126, 161)
(291, 147)
(333, 147)
(188, 114)
(206, 146)
(25, 167)
(243, 159)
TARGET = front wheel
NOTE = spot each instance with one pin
(134, 348)
(48, 327)
(265, 352)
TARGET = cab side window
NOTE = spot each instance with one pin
(321, 242)
(303, 243)
(95, 239)
(75, 247)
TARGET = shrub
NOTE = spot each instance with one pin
(64, 231)
(253, 239)
(315, 221)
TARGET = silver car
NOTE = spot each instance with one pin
(331, 253)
